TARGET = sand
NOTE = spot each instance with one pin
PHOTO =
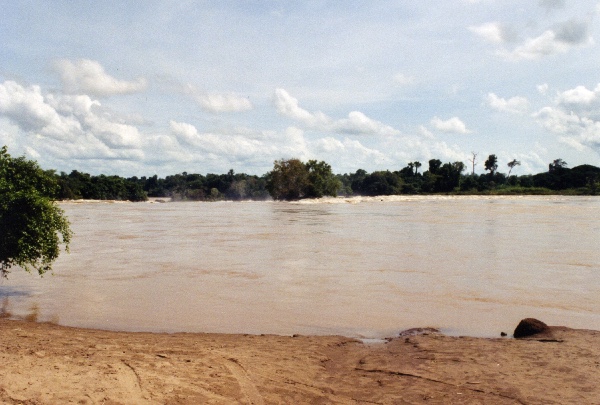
(44, 363)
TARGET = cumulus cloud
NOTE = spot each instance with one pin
(288, 106)
(68, 123)
(27, 107)
(84, 76)
(424, 132)
(348, 152)
(223, 102)
(558, 121)
(452, 125)
(515, 105)
(560, 39)
(357, 123)
(218, 102)
(578, 95)
(241, 145)
(577, 131)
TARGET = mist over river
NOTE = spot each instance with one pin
(364, 267)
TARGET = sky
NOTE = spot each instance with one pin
(137, 88)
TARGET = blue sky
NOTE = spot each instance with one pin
(162, 87)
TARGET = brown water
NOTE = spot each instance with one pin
(358, 267)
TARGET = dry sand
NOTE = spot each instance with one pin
(48, 364)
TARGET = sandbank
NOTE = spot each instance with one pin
(43, 363)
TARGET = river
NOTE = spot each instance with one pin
(362, 267)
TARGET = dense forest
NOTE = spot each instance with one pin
(292, 179)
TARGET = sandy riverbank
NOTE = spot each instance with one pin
(49, 364)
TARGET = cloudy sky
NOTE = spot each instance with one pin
(161, 87)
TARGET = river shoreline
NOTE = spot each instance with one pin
(45, 363)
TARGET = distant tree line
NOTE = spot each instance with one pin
(293, 179)
(184, 186)
(449, 178)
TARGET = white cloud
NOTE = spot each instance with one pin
(224, 102)
(84, 76)
(218, 102)
(241, 145)
(578, 95)
(535, 48)
(186, 133)
(452, 125)
(542, 88)
(574, 130)
(68, 120)
(357, 123)
(558, 121)
(515, 105)
(490, 31)
(426, 133)
(560, 39)
(287, 106)
(113, 133)
(349, 153)
(29, 110)
(572, 142)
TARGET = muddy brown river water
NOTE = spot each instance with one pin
(363, 267)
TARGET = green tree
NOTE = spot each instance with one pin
(557, 165)
(448, 177)
(321, 180)
(434, 166)
(417, 165)
(292, 180)
(33, 226)
(382, 183)
(491, 164)
(287, 180)
(512, 165)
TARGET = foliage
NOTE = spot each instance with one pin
(557, 165)
(321, 181)
(491, 164)
(512, 164)
(292, 180)
(33, 226)
(381, 183)
(288, 180)
(77, 185)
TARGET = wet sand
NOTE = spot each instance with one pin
(44, 363)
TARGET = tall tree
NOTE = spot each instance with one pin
(292, 180)
(33, 226)
(434, 166)
(417, 165)
(287, 180)
(491, 164)
(473, 161)
(512, 165)
(557, 164)
(321, 180)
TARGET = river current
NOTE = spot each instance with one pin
(362, 267)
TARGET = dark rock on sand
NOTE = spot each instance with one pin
(418, 331)
(530, 326)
